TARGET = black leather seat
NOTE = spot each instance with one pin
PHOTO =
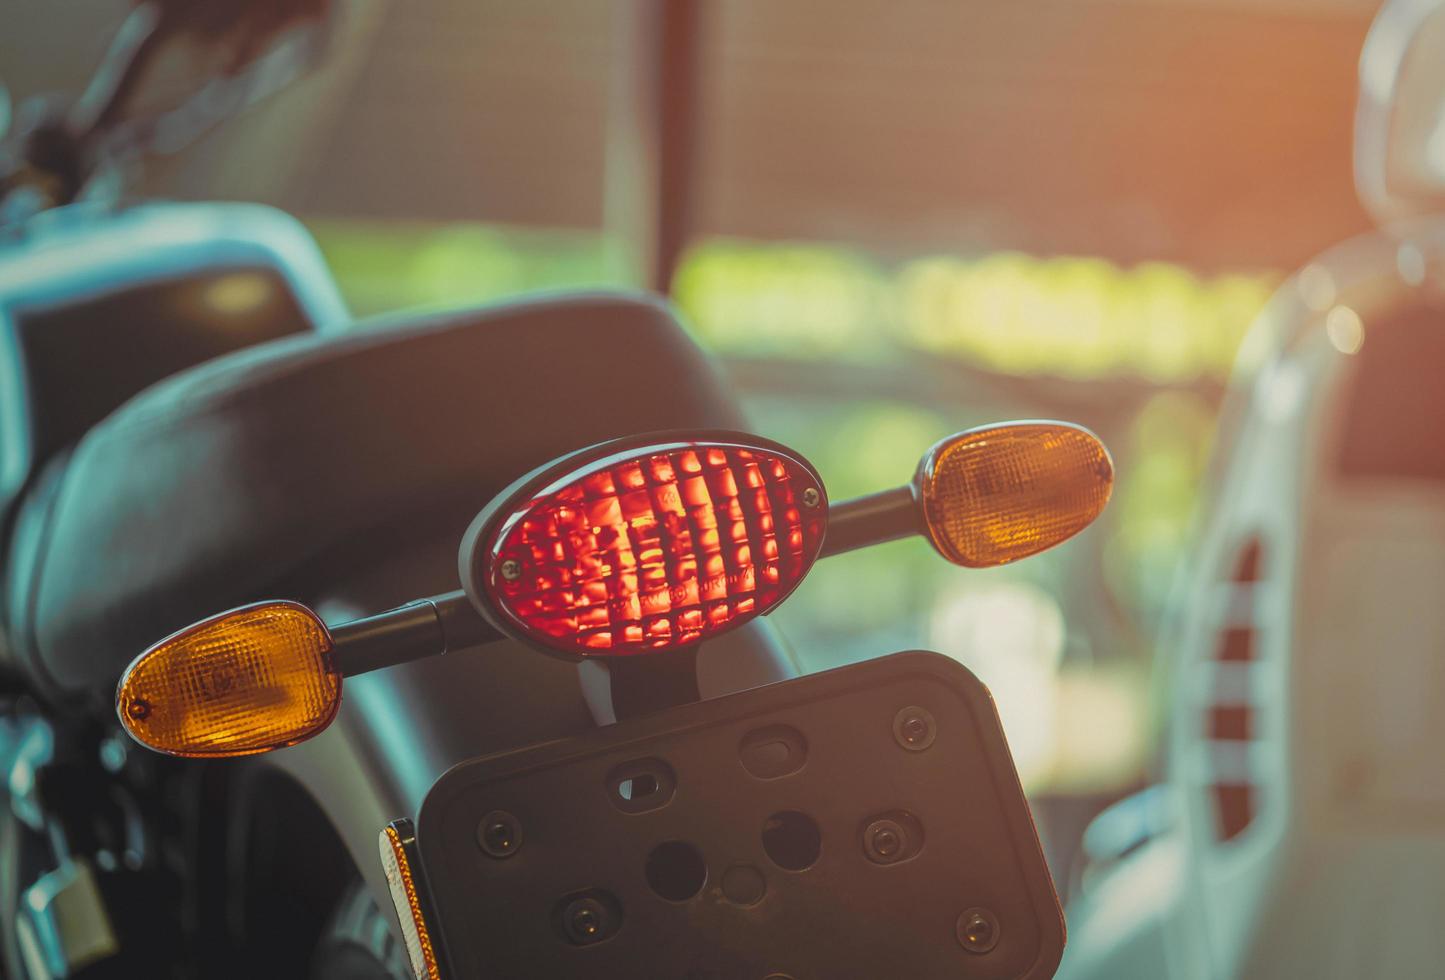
(272, 471)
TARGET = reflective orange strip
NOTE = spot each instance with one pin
(403, 888)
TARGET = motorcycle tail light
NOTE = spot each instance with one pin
(638, 549)
(1000, 493)
(253, 679)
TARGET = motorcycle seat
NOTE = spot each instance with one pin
(269, 472)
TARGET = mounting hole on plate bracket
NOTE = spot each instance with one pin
(792, 840)
(641, 785)
(773, 751)
(676, 870)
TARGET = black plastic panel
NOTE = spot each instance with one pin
(737, 875)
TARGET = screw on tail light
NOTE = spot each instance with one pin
(647, 544)
(250, 680)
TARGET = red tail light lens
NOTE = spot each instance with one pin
(650, 548)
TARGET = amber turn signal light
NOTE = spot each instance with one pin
(996, 494)
(250, 680)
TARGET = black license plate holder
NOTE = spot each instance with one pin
(715, 777)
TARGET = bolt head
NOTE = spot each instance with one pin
(914, 728)
(499, 834)
(511, 570)
(977, 930)
(884, 841)
(585, 921)
(811, 497)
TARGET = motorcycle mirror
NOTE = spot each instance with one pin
(646, 544)
(988, 496)
(254, 679)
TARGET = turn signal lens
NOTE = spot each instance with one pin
(652, 548)
(253, 679)
(1000, 493)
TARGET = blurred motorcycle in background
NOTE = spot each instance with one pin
(1298, 831)
(419, 505)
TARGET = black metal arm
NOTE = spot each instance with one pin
(419, 629)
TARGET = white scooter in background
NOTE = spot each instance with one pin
(1300, 827)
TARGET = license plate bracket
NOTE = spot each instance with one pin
(865, 822)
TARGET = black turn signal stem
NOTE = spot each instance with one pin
(424, 628)
(865, 521)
